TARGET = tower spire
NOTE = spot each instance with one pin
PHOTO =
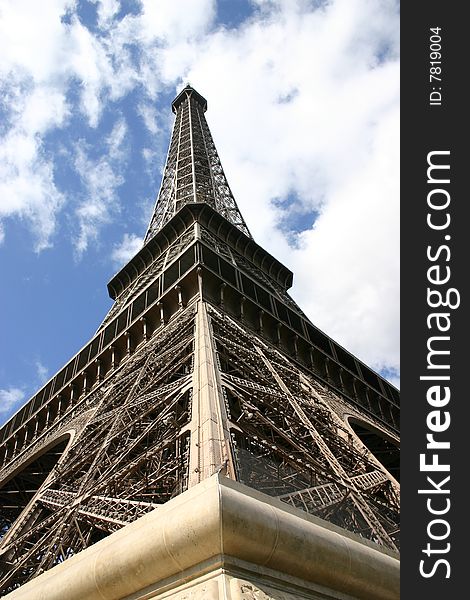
(193, 172)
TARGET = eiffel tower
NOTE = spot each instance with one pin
(204, 365)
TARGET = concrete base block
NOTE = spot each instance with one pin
(223, 540)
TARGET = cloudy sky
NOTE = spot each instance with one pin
(303, 103)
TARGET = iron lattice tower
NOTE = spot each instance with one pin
(204, 363)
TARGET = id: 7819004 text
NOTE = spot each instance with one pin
(435, 66)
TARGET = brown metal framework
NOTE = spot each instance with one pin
(193, 171)
(203, 364)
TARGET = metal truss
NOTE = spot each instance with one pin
(148, 276)
(141, 441)
(193, 171)
(130, 456)
(290, 443)
(235, 258)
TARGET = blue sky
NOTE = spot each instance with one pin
(303, 106)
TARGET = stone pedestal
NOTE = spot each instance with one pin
(222, 540)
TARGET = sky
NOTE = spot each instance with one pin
(303, 106)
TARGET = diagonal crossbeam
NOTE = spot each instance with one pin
(102, 509)
(329, 494)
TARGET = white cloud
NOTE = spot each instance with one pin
(100, 202)
(100, 178)
(174, 22)
(42, 372)
(34, 104)
(10, 399)
(89, 64)
(149, 115)
(42, 55)
(27, 185)
(107, 10)
(116, 141)
(126, 249)
(33, 38)
(44, 108)
(347, 271)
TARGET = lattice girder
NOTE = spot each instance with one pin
(298, 410)
(131, 456)
(193, 171)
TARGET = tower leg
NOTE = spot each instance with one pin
(210, 436)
